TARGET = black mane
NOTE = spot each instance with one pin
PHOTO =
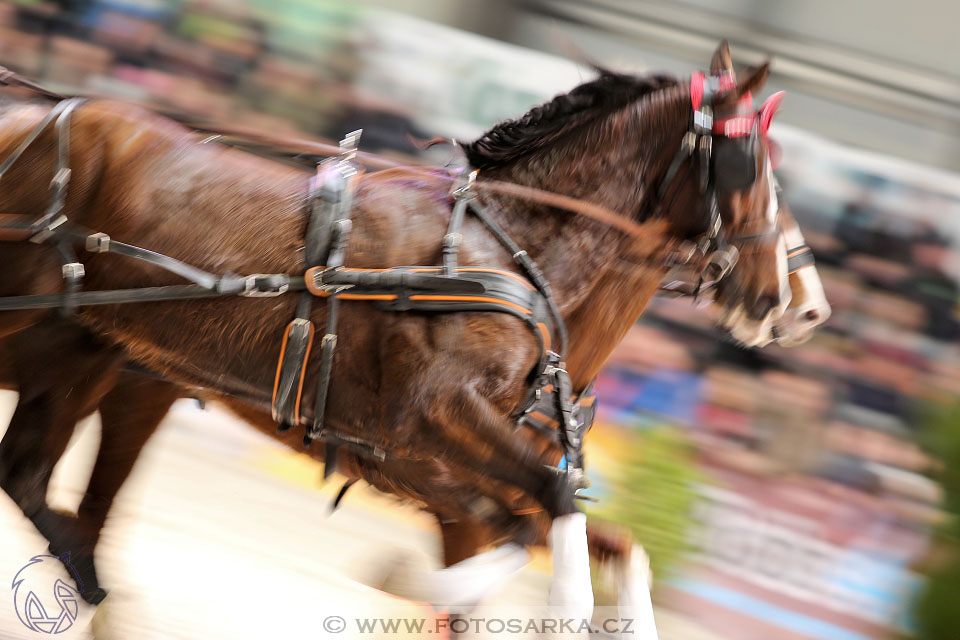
(514, 138)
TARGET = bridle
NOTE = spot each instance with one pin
(722, 152)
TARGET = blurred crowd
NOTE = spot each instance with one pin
(278, 67)
(816, 455)
(813, 454)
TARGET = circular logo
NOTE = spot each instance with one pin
(334, 624)
(44, 604)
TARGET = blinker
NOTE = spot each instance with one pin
(734, 162)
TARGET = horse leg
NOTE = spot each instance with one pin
(630, 569)
(129, 415)
(471, 511)
(633, 577)
(62, 374)
(469, 576)
(467, 417)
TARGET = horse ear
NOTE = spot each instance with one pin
(721, 62)
(769, 109)
(752, 79)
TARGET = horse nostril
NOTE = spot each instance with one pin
(811, 316)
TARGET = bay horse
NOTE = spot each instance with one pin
(431, 392)
(132, 405)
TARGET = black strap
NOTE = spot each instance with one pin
(53, 217)
(343, 491)
(144, 294)
(570, 429)
(451, 241)
(798, 258)
(330, 201)
(336, 196)
(395, 279)
(530, 268)
(329, 343)
(326, 198)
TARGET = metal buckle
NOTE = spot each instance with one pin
(348, 151)
(98, 243)
(250, 289)
(703, 118)
(44, 234)
(73, 271)
(465, 187)
(722, 261)
(452, 239)
(334, 288)
(61, 178)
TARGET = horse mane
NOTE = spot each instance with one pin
(513, 139)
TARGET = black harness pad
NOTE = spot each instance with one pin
(734, 162)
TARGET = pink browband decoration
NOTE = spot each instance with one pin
(696, 89)
(740, 124)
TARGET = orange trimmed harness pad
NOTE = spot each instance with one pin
(445, 288)
(425, 289)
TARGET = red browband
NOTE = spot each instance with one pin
(739, 124)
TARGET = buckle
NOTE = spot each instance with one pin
(703, 118)
(61, 178)
(98, 243)
(252, 289)
(465, 187)
(73, 271)
(721, 262)
(44, 234)
(348, 152)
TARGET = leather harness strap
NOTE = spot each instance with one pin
(798, 258)
(329, 203)
(447, 288)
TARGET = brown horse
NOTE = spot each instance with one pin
(432, 392)
(131, 406)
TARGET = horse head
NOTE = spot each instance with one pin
(744, 226)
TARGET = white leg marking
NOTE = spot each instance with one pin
(633, 594)
(465, 584)
(571, 589)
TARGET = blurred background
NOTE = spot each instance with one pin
(805, 493)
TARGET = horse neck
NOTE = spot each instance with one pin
(600, 293)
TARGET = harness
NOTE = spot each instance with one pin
(432, 289)
(447, 288)
(721, 149)
(551, 407)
